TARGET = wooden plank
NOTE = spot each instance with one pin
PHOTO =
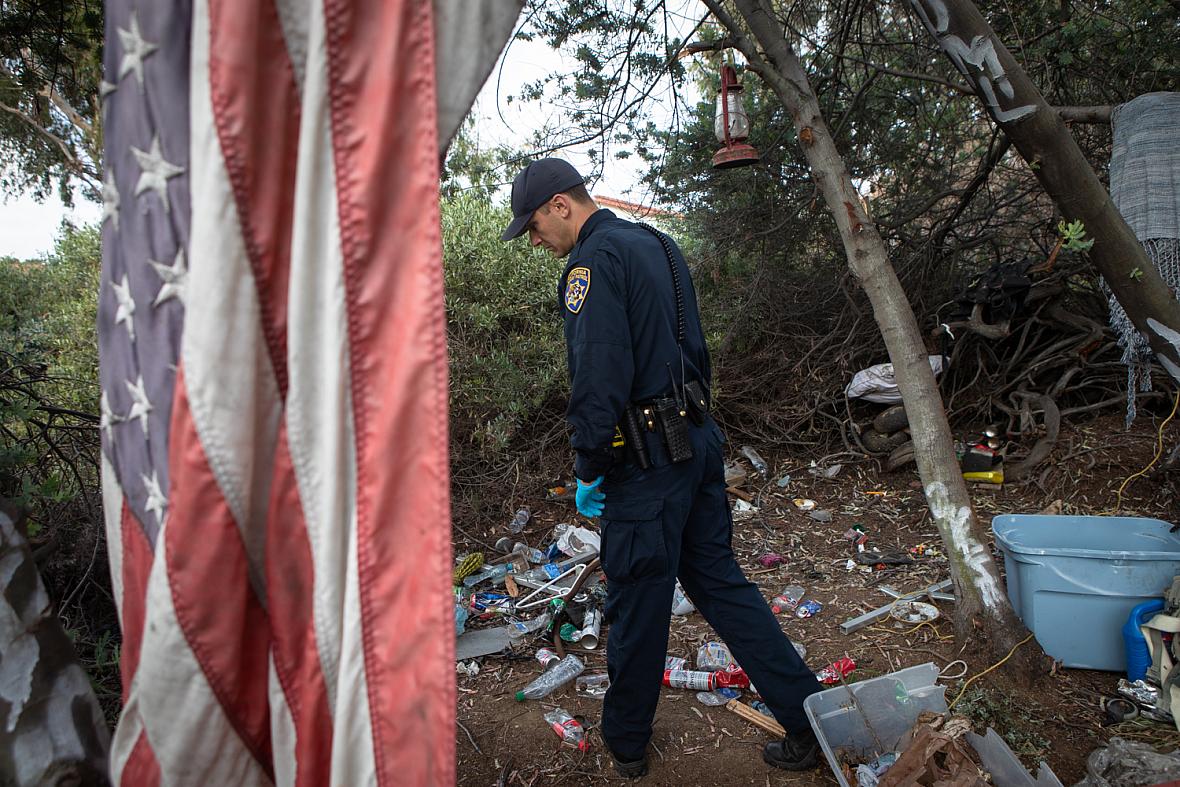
(757, 719)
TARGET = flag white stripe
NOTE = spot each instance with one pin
(282, 729)
(232, 391)
(293, 20)
(192, 738)
(112, 499)
(320, 429)
(126, 734)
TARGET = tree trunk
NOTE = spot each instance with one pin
(982, 613)
(53, 731)
(1043, 140)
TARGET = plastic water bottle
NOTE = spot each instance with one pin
(519, 520)
(492, 572)
(567, 728)
(756, 460)
(552, 679)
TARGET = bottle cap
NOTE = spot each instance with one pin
(520, 696)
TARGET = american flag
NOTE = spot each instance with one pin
(274, 393)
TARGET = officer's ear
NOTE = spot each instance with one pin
(562, 204)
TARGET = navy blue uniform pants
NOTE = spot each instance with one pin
(671, 521)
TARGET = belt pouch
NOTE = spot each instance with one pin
(674, 427)
(696, 401)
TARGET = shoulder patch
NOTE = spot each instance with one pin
(577, 287)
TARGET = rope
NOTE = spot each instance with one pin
(1159, 450)
(973, 678)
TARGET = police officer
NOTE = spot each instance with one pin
(634, 341)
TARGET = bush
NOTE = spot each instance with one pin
(507, 355)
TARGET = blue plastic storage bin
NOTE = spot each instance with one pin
(1073, 580)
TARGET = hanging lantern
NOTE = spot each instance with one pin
(731, 124)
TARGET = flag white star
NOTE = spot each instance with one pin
(140, 406)
(110, 199)
(126, 311)
(135, 49)
(105, 88)
(174, 278)
(156, 502)
(106, 418)
(154, 171)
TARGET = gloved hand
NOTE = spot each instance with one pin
(589, 498)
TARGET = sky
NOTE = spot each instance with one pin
(28, 228)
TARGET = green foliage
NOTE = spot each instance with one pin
(507, 357)
(49, 377)
(1073, 236)
(1012, 721)
(50, 123)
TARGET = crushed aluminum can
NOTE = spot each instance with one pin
(808, 608)
(675, 662)
(836, 671)
(804, 504)
(771, 559)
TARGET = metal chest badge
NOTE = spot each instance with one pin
(577, 287)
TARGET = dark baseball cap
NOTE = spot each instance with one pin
(536, 185)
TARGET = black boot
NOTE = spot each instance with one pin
(630, 769)
(796, 752)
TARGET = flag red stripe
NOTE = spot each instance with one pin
(141, 768)
(225, 626)
(256, 111)
(137, 565)
(290, 584)
(381, 63)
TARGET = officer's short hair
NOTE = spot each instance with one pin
(579, 194)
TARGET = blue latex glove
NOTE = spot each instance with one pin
(589, 498)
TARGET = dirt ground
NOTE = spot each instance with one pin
(500, 741)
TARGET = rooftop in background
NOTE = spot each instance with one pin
(635, 210)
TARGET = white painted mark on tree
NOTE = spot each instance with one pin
(962, 540)
(979, 62)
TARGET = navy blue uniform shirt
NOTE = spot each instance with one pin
(620, 331)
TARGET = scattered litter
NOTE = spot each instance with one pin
(783, 482)
(914, 612)
(831, 471)
(787, 600)
(1123, 762)
(804, 503)
(735, 475)
(836, 671)
(561, 491)
(552, 679)
(468, 565)
(719, 697)
(850, 565)
(1146, 697)
(800, 648)
(699, 680)
(821, 515)
(681, 605)
(592, 685)
(460, 617)
(766, 723)
(675, 663)
(756, 460)
(568, 728)
(519, 628)
(771, 559)
(742, 507)
(714, 656)
(808, 608)
(481, 642)
(762, 708)
(469, 669)
(576, 540)
(519, 520)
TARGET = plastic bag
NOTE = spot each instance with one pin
(714, 657)
(1123, 763)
